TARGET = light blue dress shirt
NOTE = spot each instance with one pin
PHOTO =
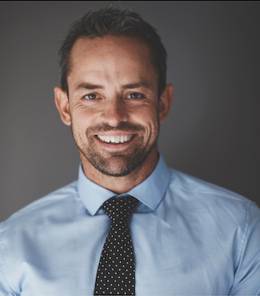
(190, 238)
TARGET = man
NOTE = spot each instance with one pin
(129, 224)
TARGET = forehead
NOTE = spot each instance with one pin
(111, 55)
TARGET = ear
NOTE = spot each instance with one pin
(165, 101)
(62, 105)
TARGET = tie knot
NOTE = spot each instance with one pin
(120, 208)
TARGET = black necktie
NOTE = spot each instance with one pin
(116, 269)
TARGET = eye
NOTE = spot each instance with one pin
(90, 97)
(136, 95)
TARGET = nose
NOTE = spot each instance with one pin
(115, 112)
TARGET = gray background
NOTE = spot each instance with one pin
(213, 52)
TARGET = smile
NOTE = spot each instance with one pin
(115, 139)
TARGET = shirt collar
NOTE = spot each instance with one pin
(149, 192)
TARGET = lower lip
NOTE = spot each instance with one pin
(114, 147)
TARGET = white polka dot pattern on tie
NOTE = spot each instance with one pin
(116, 270)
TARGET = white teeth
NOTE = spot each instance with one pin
(115, 139)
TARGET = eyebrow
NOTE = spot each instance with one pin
(88, 85)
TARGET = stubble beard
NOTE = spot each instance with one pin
(118, 164)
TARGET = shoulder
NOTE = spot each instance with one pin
(41, 208)
(222, 220)
(203, 197)
(28, 228)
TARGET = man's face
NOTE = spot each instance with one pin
(112, 104)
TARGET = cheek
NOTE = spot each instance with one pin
(81, 113)
(147, 111)
(149, 115)
(81, 120)
(149, 119)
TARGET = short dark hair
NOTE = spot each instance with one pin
(117, 22)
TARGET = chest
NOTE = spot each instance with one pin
(169, 261)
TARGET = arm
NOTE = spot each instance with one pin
(247, 275)
(5, 289)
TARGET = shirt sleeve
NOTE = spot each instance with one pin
(4, 285)
(247, 276)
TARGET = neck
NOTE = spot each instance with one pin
(122, 184)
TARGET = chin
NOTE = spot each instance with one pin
(118, 164)
(115, 168)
